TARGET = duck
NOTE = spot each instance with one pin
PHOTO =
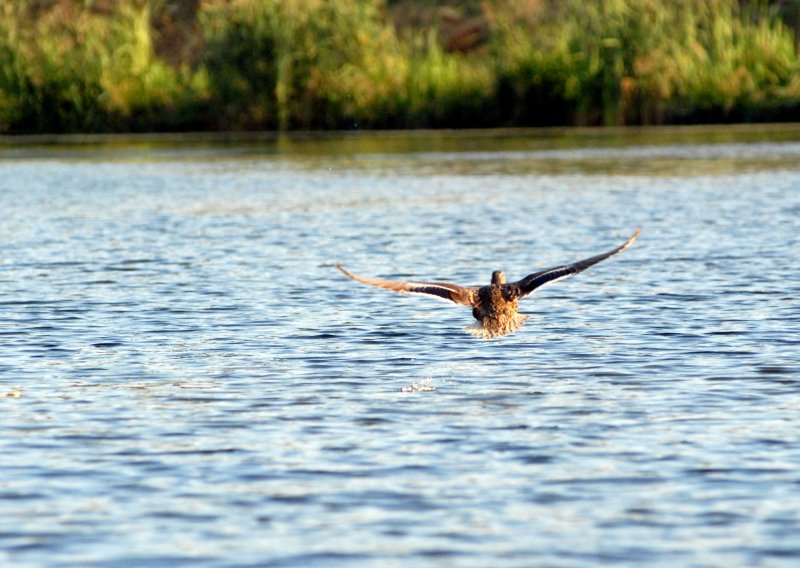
(496, 305)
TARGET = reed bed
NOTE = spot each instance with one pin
(70, 66)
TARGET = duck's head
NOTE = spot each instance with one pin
(498, 278)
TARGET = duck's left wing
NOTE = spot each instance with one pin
(450, 292)
(533, 281)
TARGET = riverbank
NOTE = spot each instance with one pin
(154, 66)
(417, 138)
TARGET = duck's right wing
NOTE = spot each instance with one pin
(450, 292)
(533, 281)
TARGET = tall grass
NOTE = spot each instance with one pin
(71, 66)
(41, 82)
(332, 64)
(71, 69)
(649, 61)
(302, 64)
(449, 90)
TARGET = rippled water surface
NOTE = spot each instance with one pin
(185, 379)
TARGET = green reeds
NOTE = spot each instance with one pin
(73, 66)
(72, 69)
(649, 61)
(303, 64)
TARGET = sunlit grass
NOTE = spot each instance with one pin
(71, 69)
(649, 61)
(68, 66)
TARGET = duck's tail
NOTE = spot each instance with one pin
(499, 329)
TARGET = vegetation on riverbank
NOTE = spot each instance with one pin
(154, 65)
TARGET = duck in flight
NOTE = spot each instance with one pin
(494, 306)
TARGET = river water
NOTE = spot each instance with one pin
(186, 380)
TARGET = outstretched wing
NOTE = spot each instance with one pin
(450, 292)
(533, 281)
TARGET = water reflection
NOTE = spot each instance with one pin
(180, 357)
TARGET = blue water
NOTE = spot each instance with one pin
(186, 380)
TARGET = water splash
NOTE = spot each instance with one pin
(425, 385)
